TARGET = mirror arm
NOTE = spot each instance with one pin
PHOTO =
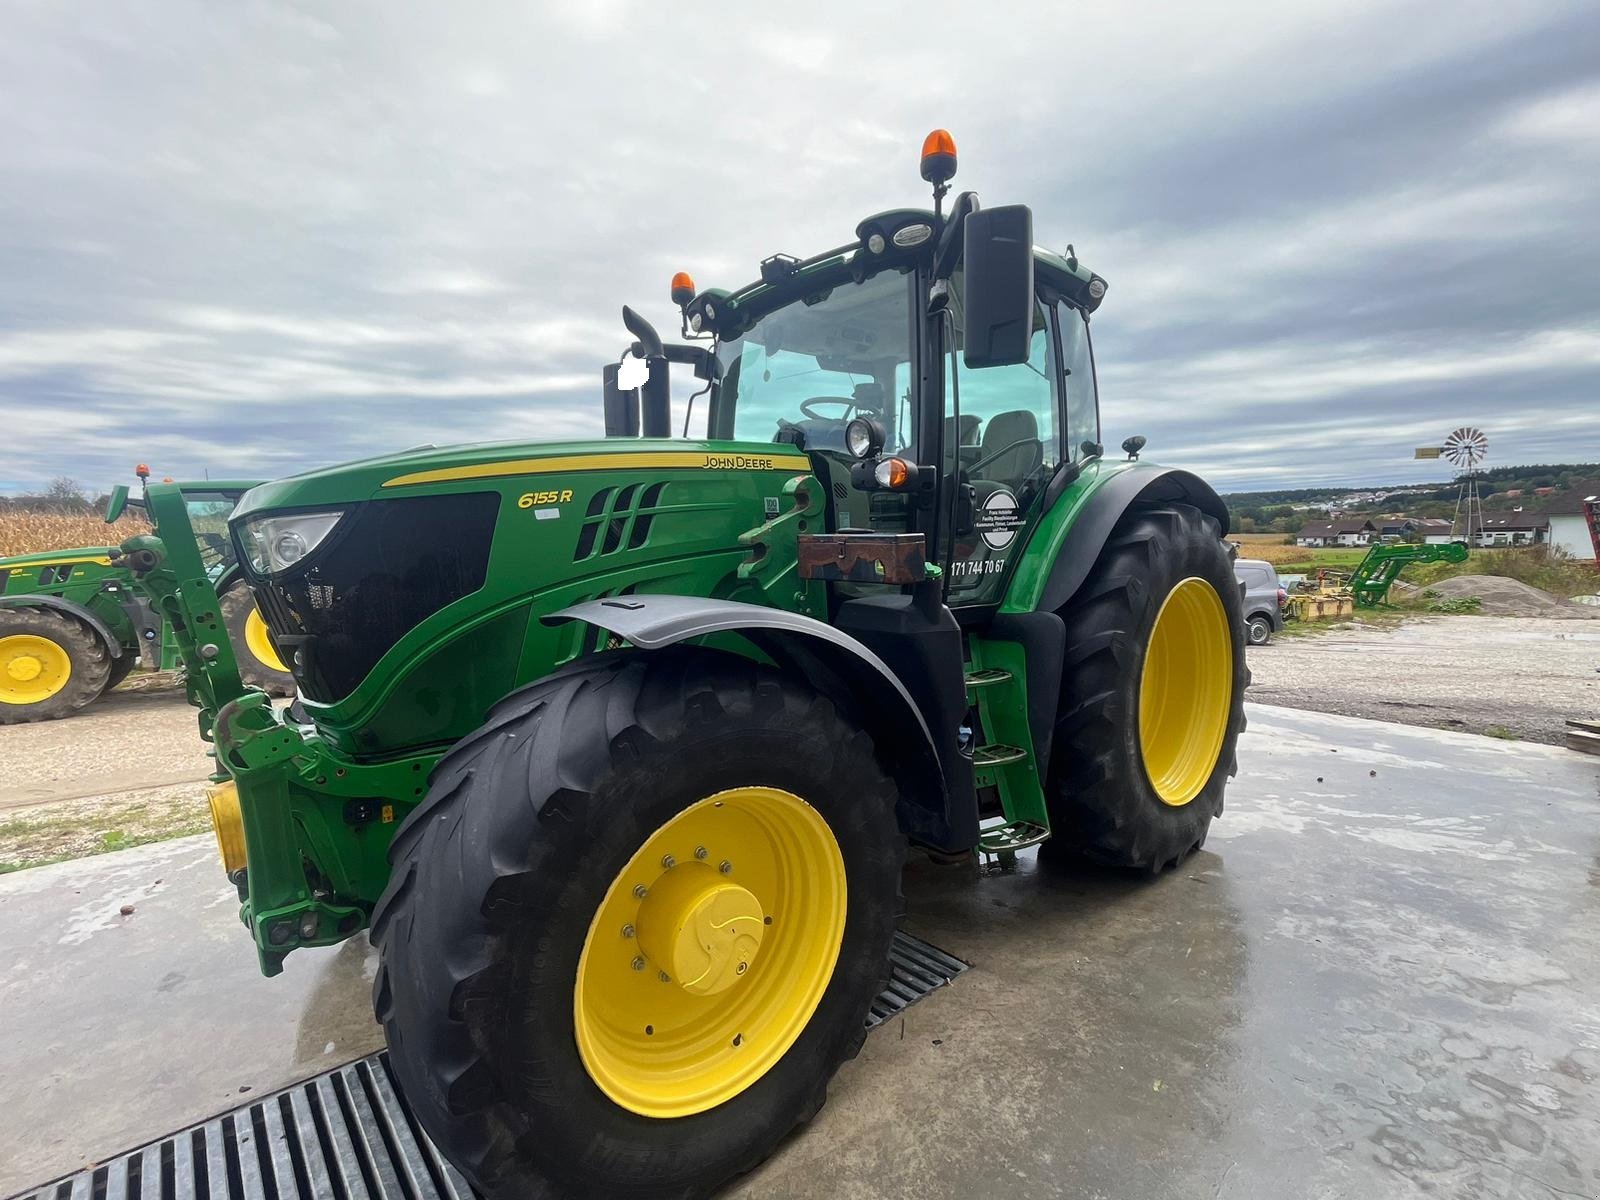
(949, 251)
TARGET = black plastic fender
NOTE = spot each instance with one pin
(1138, 485)
(832, 661)
(101, 629)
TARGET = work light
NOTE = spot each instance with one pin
(863, 437)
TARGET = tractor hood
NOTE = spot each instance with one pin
(489, 466)
(51, 558)
(407, 588)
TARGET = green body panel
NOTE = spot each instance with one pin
(85, 576)
(1375, 573)
(1038, 558)
(421, 693)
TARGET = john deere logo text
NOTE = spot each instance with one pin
(529, 499)
(737, 462)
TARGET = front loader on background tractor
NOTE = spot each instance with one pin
(616, 746)
(74, 623)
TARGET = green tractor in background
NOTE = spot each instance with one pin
(73, 623)
(616, 746)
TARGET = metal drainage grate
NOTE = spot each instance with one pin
(348, 1134)
(915, 969)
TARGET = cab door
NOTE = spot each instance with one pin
(1004, 438)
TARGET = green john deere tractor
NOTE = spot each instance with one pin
(73, 623)
(616, 746)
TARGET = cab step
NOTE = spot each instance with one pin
(996, 755)
(1011, 837)
(986, 677)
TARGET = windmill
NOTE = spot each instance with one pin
(1466, 448)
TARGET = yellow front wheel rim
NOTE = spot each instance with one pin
(710, 952)
(259, 644)
(1185, 691)
(32, 668)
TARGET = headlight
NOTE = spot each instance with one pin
(863, 437)
(276, 543)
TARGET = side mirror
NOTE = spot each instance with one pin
(118, 502)
(998, 286)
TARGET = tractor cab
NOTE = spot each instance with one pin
(936, 371)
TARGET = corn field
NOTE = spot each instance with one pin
(28, 532)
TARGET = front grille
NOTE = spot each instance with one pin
(387, 567)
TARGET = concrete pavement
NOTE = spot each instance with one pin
(1380, 978)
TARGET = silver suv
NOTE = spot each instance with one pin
(1263, 599)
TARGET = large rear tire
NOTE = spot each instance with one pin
(636, 925)
(1152, 698)
(51, 665)
(259, 663)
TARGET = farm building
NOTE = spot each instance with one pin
(1514, 529)
(1353, 532)
(1569, 530)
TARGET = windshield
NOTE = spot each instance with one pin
(208, 514)
(817, 365)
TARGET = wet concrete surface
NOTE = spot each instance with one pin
(1380, 978)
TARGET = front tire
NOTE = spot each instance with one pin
(259, 664)
(1152, 698)
(51, 665)
(535, 980)
(1259, 630)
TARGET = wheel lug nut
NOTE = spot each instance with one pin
(668, 862)
(627, 931)
(700, 852)
(640, 891)
(638, 964)
(726, 867)
(743, 967)
(665, 978)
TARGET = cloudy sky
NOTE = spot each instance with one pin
(250, 237)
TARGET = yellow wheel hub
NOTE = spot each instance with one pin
(1185, 691)
(259, 644)
(32, 668)
(710, 952)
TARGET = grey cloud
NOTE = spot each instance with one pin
(261, 237)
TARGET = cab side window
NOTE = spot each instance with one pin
(1007, 429)
(1082, 406)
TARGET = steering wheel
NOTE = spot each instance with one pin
(849, 403)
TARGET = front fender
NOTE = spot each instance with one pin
(1068, 539)
(861, 681)
(57, 604)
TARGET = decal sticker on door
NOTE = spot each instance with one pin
(998, 518)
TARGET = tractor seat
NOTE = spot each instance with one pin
(1013, 438)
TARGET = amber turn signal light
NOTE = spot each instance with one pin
(896, 474)
(142, 471)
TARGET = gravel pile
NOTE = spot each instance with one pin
(1502, 597)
